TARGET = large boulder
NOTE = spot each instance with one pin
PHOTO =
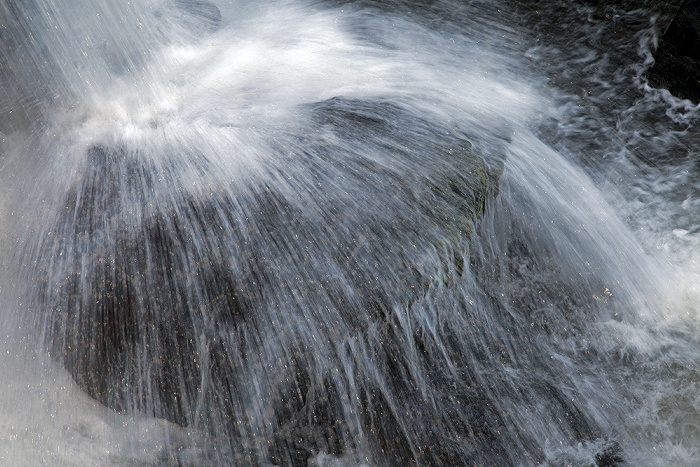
(266, 312)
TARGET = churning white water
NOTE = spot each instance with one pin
(345, 233)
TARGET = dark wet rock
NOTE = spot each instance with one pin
(171, 303)
(677, 66)
(610, 456)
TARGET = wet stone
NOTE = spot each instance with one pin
(173, 307)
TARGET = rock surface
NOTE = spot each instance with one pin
(171, 305)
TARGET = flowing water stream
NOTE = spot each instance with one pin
(345, 233)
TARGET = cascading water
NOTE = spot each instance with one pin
(345, 233)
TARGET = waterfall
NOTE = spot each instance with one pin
(345, 233)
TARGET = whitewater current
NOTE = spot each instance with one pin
(345, 233)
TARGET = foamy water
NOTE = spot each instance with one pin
(562, 328)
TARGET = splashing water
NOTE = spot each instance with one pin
(328, 233)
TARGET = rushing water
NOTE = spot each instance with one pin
(330, 233)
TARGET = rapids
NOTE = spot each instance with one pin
(345, 233)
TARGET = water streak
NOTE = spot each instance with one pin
(344, 234)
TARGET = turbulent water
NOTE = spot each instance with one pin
(345, 233)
